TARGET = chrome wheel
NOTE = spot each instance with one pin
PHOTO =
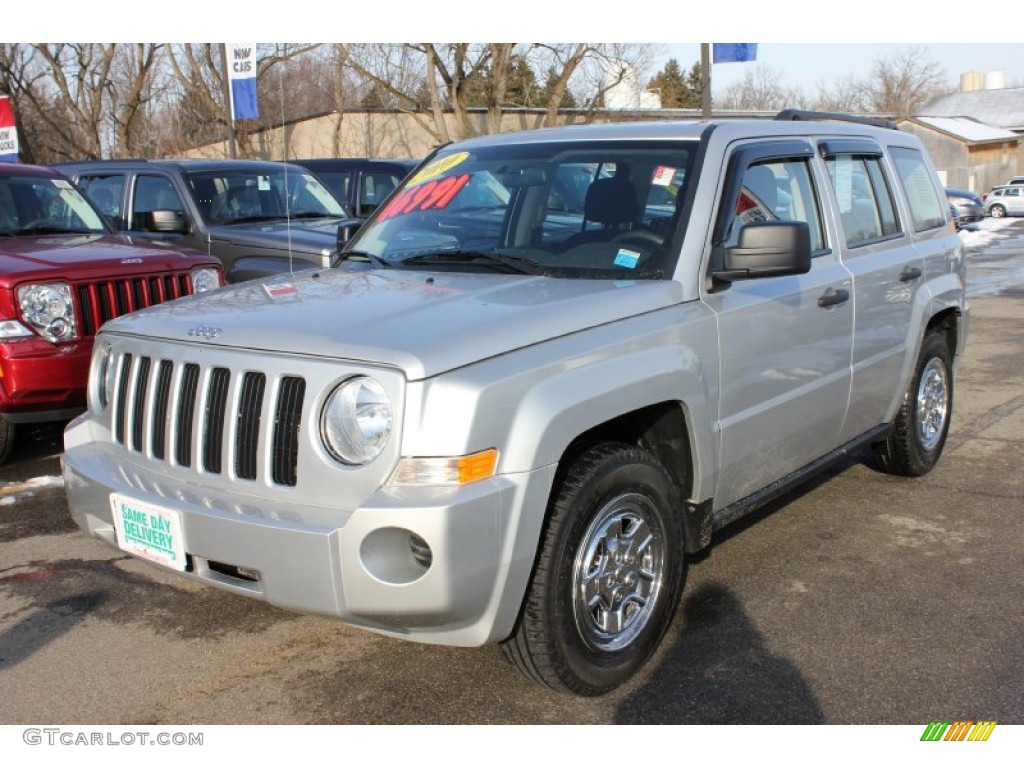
(932, 404)
(997, 212)
(618, 572)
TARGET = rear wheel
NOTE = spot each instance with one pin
(919, 431)
(997, 212)
(608, 575)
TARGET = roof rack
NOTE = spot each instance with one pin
(805, 114)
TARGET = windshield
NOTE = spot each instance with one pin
(235, 196)
(45, 205)
(595, 209)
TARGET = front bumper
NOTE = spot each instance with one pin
(43, 382)
(364, 566)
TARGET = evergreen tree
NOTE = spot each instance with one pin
(678, 90)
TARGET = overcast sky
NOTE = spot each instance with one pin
(806, 65)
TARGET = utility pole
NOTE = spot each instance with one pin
(226, 82)
(705, 80)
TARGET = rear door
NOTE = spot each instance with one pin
(887, 271)
(785, 341)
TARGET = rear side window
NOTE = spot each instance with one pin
(105, 193)
(374, 189)
(926, 209)
(865, 200)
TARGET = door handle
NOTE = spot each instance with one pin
(832, 297)
(909, 274)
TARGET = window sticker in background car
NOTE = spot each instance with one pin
(438, 167)
(663, 176)
(434, 194)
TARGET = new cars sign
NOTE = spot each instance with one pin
(242, 74)
(8, 132)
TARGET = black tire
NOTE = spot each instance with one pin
(7, 431)
(613, 534)
(997, 212)
(919, 431)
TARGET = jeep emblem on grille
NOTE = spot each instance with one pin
(205, 331)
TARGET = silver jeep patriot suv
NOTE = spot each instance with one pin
(540, 376)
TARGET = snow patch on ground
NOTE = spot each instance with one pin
(11, 492)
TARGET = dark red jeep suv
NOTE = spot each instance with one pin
(63, 273)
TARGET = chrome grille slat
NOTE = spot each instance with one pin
(139, 404)
(247, 426)
(186, 413)
(213, 419)
(287, 421)
(161, 397)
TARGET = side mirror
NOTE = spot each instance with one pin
(166, 221)
(768, 249)
(347, 229)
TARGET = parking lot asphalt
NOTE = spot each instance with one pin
(860, 598)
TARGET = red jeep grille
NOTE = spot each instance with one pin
(106, 299)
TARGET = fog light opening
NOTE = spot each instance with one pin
(395, 555)
(421, 552)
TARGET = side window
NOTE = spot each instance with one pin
(865, 200)
(926, 210)
(153, 193)
(779, 190)
(373, 190)
(105, 193)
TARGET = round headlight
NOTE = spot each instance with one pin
(204, 279)
(49, 310)
(356, 421)
(105, 371)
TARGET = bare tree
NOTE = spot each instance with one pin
(844, 95)
(199, 72)
(440, 84)
(761, 89)
(901, 83)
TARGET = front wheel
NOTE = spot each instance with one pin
(997, 212)
(6, 439)
(608, 575)
(919, 431)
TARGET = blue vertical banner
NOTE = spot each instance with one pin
(242, 74)
(726, 52)
(8, 132)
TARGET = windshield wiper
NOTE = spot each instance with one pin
(252, 219)
(517, 264)
(315, 215)
(41, 229)
(366, 256)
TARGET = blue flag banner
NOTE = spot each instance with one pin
(8, 132)
(725, 52)
(242, 74)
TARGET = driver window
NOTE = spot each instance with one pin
(153, 193)
(778, 190)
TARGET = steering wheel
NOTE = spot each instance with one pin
(640, 237)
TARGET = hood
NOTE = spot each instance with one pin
(84, 257)
(306, 235)
(424, 323)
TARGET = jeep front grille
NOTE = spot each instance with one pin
(106, 299)
(214, 417)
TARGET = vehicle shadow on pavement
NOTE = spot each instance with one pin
(719, 671)
(32, 443)
(44, 625)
